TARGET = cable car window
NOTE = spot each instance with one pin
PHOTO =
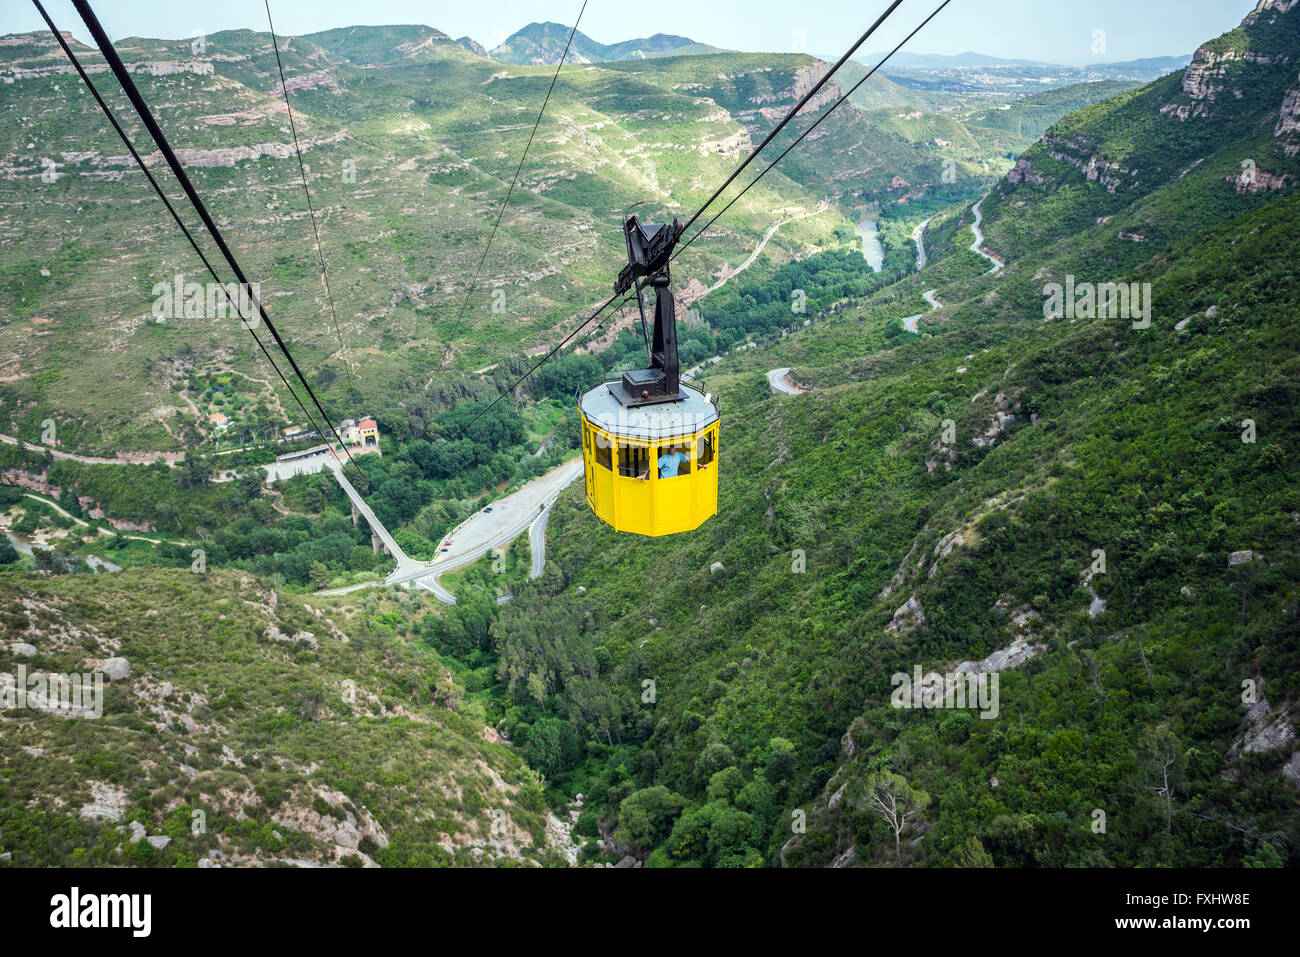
(704, 450)
(634, 461)
(604, 454)
(673, 461)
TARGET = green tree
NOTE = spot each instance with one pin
(725, 785)
(645, 816)
(1265, 855)
(781, 762)
(320, 575)
(552, 746)
(889, 797)
(972, 854)
(712, 760)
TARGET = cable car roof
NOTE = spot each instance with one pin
(663, 420)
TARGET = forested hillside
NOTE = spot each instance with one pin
(1061, 457)
(723, 686)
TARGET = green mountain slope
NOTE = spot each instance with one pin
(251, 729)
(713, 677)
(1103, 512)
(1184, 152)
(853, 157)
(380, 46)
(411, 143)
(1028, 119)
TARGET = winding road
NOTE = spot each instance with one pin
(780, 383)
(978, 245)
(918, 237)
(910, 323)
(776, 378)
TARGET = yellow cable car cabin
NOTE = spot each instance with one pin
(650, 444)
(651, 470)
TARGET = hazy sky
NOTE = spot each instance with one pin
(1062, 31)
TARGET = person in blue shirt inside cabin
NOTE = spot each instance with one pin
(671, 460)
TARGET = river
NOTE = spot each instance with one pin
(872, 251)
(24, 547)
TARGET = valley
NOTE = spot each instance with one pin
(437, 655)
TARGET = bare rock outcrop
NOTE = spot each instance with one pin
(909, 616)
(342, 826)
(107, 803)
(1268, 728)
(1288, 122)
(1252, 179)
(1023, 172)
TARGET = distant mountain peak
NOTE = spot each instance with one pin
(543, 43)
(371, 45)
(472, 45)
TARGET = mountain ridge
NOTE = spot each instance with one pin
(854, 543)
(542, 43)
(1101, 510)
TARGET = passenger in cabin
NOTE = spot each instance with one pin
(671, 460)
(703, 453)
(634, 460)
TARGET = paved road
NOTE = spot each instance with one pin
(536, 544)
(978, 245)
(432, 584)
(537, 541)
(918, 237)
(482, 532)
(780, 385)
(910, 323)
(131, 458)
(526, 509)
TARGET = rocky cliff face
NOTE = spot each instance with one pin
(1287, 130)
(1096, 168)
(1252, 179)
(1219, 70)
(807, 77)
(473, 46)
(1209, 76)
(1269, 10)
(1241, 95)
(1023, 172)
